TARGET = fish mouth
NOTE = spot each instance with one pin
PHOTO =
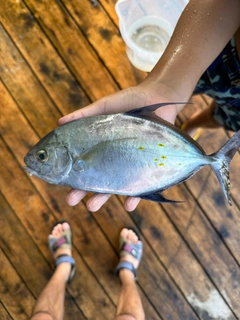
(31, 171)
(35, 174)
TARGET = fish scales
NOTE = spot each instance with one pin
(139, 161)
(134, 154)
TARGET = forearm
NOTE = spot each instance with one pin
(202, 31)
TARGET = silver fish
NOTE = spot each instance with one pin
(133, 153)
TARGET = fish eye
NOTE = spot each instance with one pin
(42, 155)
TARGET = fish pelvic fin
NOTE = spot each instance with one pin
(221, 169)
(157, 197)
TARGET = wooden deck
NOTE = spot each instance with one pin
(55, 57)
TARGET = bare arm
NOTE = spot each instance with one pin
(203, 30)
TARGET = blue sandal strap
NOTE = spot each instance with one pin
(66, 258)
(126, 265)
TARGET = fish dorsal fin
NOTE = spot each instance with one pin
(148, 113)
(146, 110)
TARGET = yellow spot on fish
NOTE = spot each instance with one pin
(180, 164)
(140, 148)
(164, 157)
(161, 145)
(156, 159)
(161, 164)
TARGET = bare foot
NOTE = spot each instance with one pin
(57, 236)
(131, 238)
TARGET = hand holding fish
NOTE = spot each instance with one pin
(122, 101)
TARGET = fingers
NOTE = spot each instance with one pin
(131, 203)
(98, 200)
(75, 196)
(93, 204)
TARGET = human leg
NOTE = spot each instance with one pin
(50, 303)
(129, 305)
(220, 82)
(201, 119)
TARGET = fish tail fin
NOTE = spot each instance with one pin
(221, 168)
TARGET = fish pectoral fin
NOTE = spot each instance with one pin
(79, 165)
(157, 197)
(90, 157)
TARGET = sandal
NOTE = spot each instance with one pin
(134, 249)
(65, 241)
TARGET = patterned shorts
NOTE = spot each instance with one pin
(221, 81)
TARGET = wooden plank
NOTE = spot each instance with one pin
(15, 297)
(25, 88)
(69, 42)
(109, 6)
(234, 178)
(14, 241)
(4, 315)
(43, 63)
(180, 262)
(206, 244)
(24, 200)
(105, 38)
(26, 258)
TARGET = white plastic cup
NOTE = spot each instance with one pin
(146, 27)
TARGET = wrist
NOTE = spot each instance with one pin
(152, 92)
(173, 82)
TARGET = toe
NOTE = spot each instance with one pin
(56, 231)
(124, 232)
(65, 226)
